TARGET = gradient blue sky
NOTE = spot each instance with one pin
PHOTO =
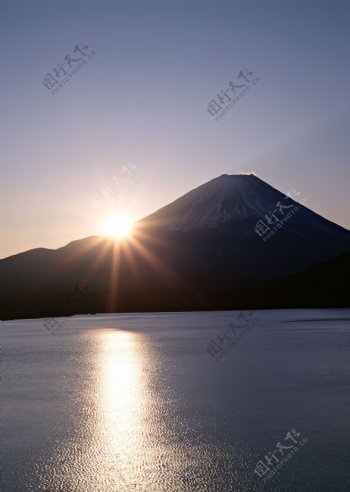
(142, 99)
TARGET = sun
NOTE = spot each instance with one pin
(118, 226)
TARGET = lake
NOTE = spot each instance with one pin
(197, 401)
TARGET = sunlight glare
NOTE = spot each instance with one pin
(118, 226)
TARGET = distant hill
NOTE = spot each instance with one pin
(324, 284)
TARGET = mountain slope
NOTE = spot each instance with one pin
(237, 198)
(214, 230)
(204, 250)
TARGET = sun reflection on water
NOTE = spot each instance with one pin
(121, 398)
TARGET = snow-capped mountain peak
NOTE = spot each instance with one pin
(223, 199)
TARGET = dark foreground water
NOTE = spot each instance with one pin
(137, 403)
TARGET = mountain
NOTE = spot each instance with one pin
(323, 284)
(214, 229)
(224, 244)
(235, 198)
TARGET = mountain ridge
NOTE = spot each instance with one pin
(257, 198)
(214, 254)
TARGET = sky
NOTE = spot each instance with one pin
(130, 130)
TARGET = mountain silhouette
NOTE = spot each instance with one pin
(229, 243)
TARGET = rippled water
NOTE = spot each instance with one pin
(137, 403)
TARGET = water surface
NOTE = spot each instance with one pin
(135, 402)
